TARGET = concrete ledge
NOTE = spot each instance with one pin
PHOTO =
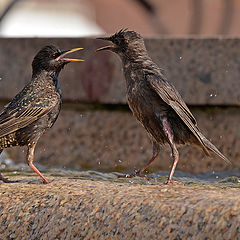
(205, 71)
(83, 209)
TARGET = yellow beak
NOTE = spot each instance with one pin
(64, 53)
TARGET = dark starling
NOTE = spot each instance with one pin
(154, 101)
(36, 108)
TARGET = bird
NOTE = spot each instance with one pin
(36, 107)
(155, 102)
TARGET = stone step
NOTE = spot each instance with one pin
(84, 209)
(204, 70)
(115, 141)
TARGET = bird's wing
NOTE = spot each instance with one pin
(170, 95)
(13, 119)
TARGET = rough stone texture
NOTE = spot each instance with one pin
(206, 71)
(106, 141)
(83, 209)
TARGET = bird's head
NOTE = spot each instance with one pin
(52, 59)
(125, 43)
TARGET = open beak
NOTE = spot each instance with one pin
(109, 48)
(64, 53)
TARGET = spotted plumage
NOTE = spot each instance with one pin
(35, 109)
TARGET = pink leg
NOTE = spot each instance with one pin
(30, 157)
(168, 131)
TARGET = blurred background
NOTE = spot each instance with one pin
(77, 18)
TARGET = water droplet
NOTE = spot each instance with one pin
(213, 95)
(99, 163)
(180, 57)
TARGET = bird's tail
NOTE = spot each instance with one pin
(209, 146)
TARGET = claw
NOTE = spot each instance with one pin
(168, 182)
(40, 182)
(6, 180)
(136, 174)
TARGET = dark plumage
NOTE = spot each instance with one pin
(36, 107)
(154, 101)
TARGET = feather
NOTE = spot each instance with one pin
(170, 95)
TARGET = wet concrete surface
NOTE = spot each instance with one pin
(94, 205)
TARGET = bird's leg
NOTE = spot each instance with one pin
(169, 134)
(30, 157)
(175, 156)
(155, 153)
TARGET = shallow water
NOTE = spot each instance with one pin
(222, 179)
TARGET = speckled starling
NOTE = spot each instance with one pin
(35, 109)
(155, 102)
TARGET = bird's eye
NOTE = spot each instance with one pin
(118, 41)
(55, 55)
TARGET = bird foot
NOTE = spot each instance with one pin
(168, 182)
(6, 180)
(47, 181)
(132, 175)
(40, 182)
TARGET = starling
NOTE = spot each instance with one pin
(35, 109)
(155, 102)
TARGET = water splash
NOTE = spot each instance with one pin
(229, 178)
